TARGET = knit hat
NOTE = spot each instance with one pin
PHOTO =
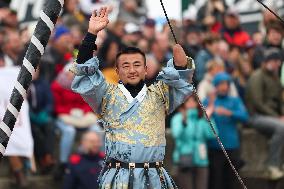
(272, 54)
(220, 77)
(59, 31)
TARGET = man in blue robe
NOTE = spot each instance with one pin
(133, 114)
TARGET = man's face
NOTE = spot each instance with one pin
(131, 68)
(274, 37)
(213, 47)
(273, 66)
(231, 22)
(14, 44)
(91, 143)
(64, 43)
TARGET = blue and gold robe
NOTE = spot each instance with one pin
(135, 127)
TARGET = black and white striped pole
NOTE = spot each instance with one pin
(39, 40)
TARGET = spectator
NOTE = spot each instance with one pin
(267, 19)
(206, 87)
(148, 29)
(223, 52)
(71, 112)
(41, 108)
(234, 58)
(57, 54)
(257, 38)
(20, 147)
(241, 75)
(191, 132)
(211, 14)
(232, 31)
(273, 39)
(107, 55)
(116, 32)
(153, 68)
(228, 111)
(132, 34)
(11, 47)
(265, 104)
(132, 11)
(144, 45)
(211, 44)
(8, 18)
(85, 166)
(193, 40)
(73, 16)
(160, 49)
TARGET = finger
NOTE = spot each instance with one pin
(100, 12)
(108, 10)
(94, 14)
(103, 12)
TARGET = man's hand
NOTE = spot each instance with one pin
(98, 21)
(180, 58)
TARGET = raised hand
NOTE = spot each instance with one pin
(98, 20)
(180, 58)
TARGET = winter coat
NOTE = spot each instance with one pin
(191, 138)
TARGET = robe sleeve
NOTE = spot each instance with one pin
(175, 84)
(90, 83)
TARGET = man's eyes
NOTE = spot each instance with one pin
(125, 66)
(128, 66)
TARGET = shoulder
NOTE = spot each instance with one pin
(256, 75)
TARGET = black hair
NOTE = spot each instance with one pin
(131, 50)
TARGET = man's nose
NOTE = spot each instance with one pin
(131, 69)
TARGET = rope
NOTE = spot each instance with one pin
(206, 116)
(39, 40)
(169, 23)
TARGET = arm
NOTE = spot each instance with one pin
(174, 79)
(89, 80)
(207, 131)
(239, 112)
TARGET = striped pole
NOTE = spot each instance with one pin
(39, 40)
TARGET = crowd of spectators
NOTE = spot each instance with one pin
(238, 77)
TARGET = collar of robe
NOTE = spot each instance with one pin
(132, 92)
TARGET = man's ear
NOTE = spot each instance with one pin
(116, 70)
(146, 70)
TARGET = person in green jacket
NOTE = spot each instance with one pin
(191, 131)
(265, 102)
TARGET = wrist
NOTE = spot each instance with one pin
(94, 32)
(90, 37)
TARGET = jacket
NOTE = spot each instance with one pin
(83, 171)
(227, 125)
(263, 94)
(65, 100)
(191, 138)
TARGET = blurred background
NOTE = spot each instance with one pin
(238, 50)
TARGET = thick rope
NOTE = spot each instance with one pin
(206, 116)
(35, 50)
